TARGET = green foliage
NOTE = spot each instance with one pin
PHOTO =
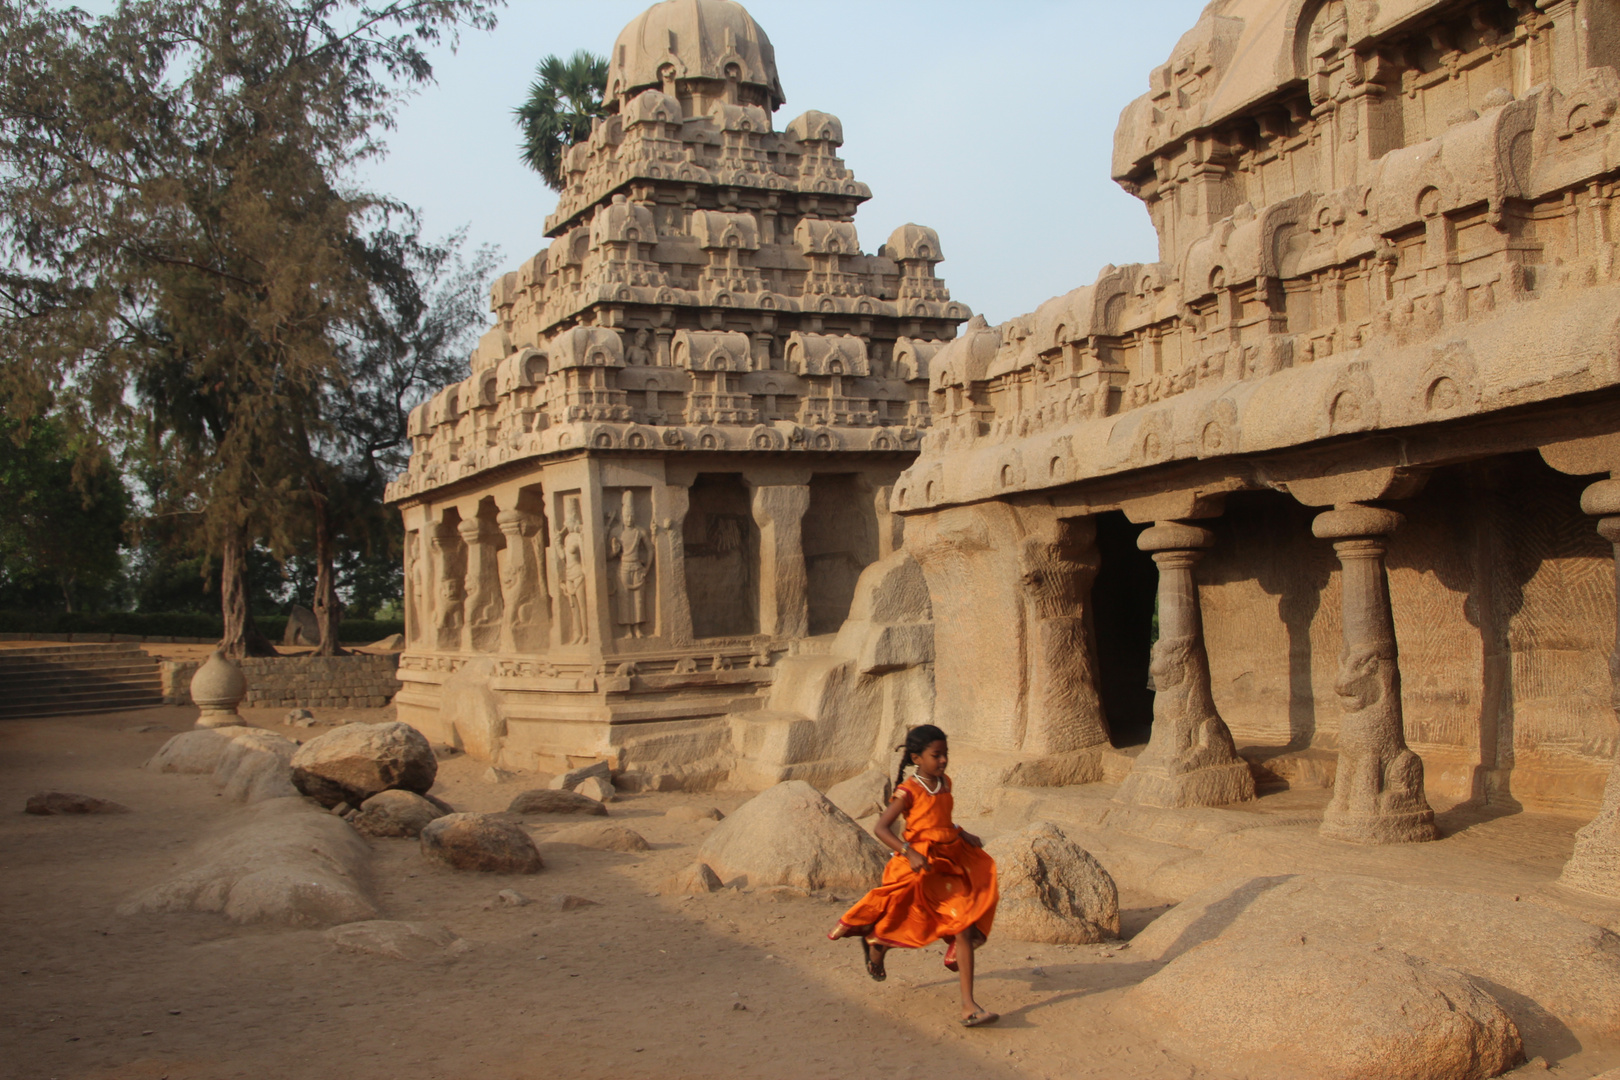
(565, 97)
(173, 624)
(184, 253)
(61, 534)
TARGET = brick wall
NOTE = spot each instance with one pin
(358, 681)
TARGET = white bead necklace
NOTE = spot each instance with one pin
(935, 790)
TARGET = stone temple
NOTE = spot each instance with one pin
(671, 460)
(1327, 495)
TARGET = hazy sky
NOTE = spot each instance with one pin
(991, 122)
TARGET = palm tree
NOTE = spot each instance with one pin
(563, 100)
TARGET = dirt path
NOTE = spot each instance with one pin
(736, 984)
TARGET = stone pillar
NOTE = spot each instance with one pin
(1378, 792)
(484, 606)
(525, 628)
(1190, 759)
(1594, 866)
(784, 585)
(449, 594)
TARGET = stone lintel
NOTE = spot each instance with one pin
(1357, 485)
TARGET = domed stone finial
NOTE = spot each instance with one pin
(218, 688)
(700, 46)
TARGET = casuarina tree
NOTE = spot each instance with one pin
(183, 237)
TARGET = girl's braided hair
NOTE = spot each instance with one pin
(917, 740)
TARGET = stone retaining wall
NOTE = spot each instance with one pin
(359, 681)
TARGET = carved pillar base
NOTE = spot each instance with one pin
(1378, 795)
(1594, 866)
(1190, 759)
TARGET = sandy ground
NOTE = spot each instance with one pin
(737, 984)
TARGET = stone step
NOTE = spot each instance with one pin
(33, 673)
(77, 650)
(99, 704)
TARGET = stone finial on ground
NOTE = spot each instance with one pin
(217, 689)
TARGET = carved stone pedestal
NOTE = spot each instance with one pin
(1190, 759)
(1378, 793)
(1594, 866)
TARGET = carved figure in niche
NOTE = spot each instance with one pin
(632, 546)
(571, 548)
(413, 586)
(1378, 775)
(638, 354)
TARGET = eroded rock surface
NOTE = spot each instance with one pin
(694, 880)
(354, 762)
(791, 835)
(480, 842)
(280, 861)
(1299, 1006)
(1052, 890)
(1566, 967)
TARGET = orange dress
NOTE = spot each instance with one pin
(955, 891)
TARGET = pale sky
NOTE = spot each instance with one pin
(991, 122)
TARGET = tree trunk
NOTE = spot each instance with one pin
(327, 608)
(242, 637)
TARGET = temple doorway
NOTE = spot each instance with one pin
(722, 557)
(1124, 613)
(840, 540)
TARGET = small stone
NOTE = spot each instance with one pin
(570, 902)
(480, 842)
(46, 803)
(571, 779)
(783, 893)
(737, 1006)
(513, 898)
(602, 837)
(395, 813)
(395, 940)
(694, 813)
(492, 775)
(442, 751)
(553, 801)
(1039, 972)
(695, 880)
(299, 718)
(595, 787)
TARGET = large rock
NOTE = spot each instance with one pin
(396, 940)
(864, 795)
(280, 861)
(395, 813)
(1324, 1010)
(480, 842)
(1052, 890)
(354, 762)
(46, 803)
(791, 835)
(552, 801)
(601, 836)
(1560, 965)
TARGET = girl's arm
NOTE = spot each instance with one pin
(884, 831)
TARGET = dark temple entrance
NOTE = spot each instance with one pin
(1123, 608)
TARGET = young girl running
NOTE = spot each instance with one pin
(939, 884)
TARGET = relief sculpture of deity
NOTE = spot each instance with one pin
(571, 553)
(632, 545)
